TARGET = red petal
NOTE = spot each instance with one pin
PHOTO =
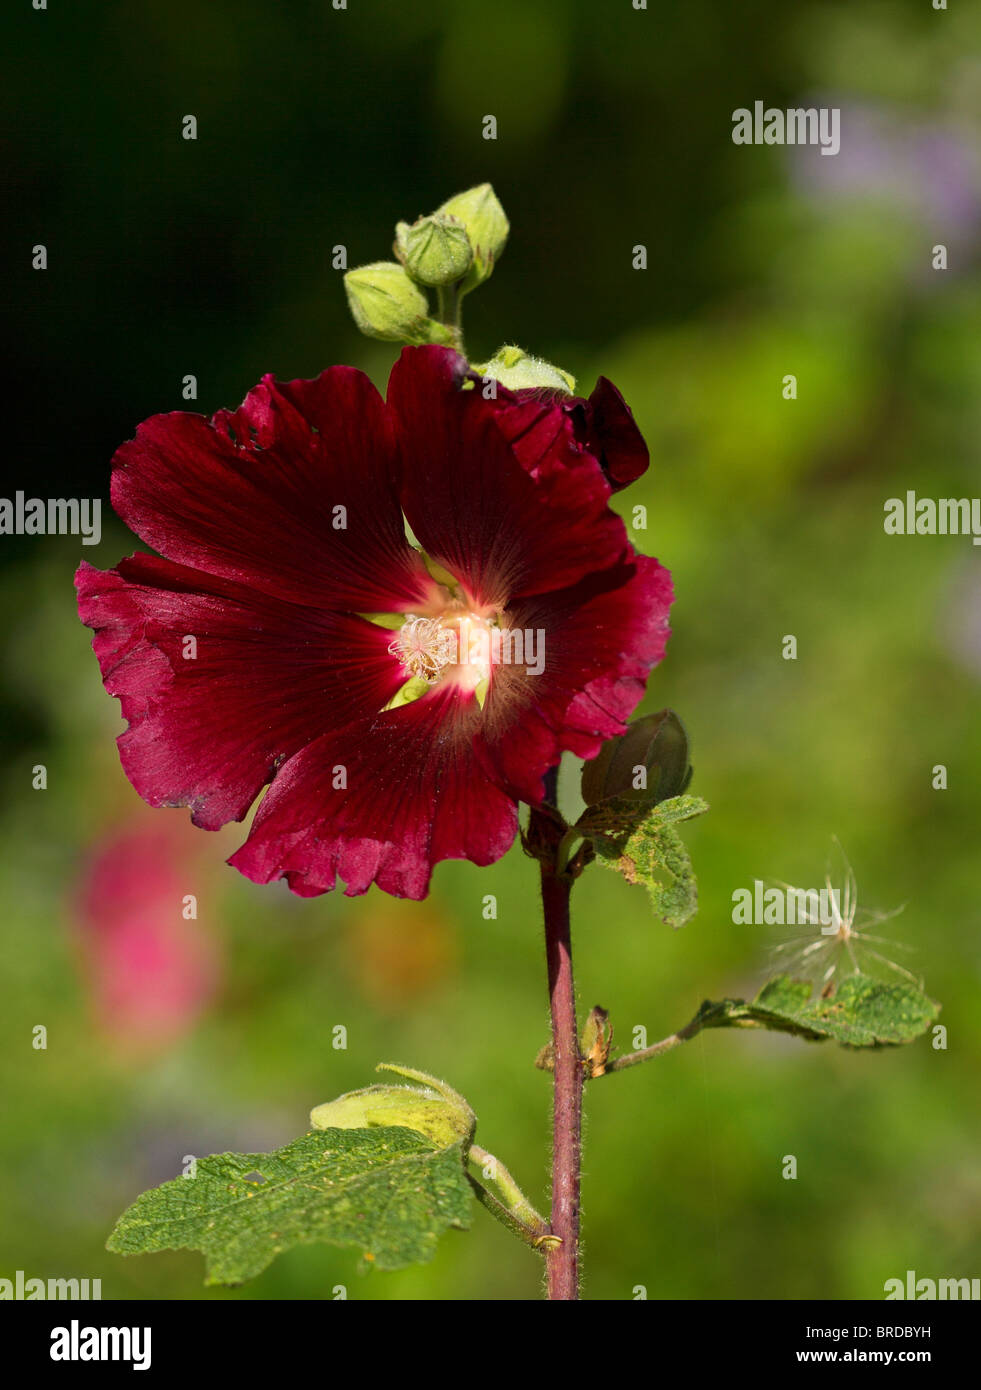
(251, 495)
(268, 678)
(603, 425)
(415, 795)
(504, 518)
(611, 434)
(601, 640)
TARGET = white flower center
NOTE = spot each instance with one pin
(425, 647)
(458, 646)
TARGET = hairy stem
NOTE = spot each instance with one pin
(515, 1199)
(631, 1059)
(567, 1078)
(507, 1218)
(448, 310)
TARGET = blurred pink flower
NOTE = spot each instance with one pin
(151, 971)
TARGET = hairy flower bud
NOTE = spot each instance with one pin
(386, 304)
(435, 250)
(435, 1109)
(649, 763)
(486, 226)
(519, 371)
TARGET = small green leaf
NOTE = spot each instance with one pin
(623, 815)
(643, 845)
(388, 1191)
(413, 689)
(863, 1012)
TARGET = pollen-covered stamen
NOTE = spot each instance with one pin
(425, 647)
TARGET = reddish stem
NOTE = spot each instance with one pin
(563, 1262)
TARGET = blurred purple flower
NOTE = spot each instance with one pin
(930, 167)
(962, 618)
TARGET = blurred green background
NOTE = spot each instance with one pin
(166, 257)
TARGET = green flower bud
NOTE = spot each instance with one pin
(647, 764)
(400, 230)
(409, 1107)
(435, 1111)
(435, 250)
(516, 369)
(386, 304)
(486, 227)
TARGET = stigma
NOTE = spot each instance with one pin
(425, 647)
(454, 648)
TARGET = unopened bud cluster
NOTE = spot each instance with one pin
(452, 250)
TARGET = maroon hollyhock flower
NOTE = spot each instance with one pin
(282, 529)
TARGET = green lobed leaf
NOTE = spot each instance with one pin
(648, 850)
(388, 1191)
(863, 1012)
